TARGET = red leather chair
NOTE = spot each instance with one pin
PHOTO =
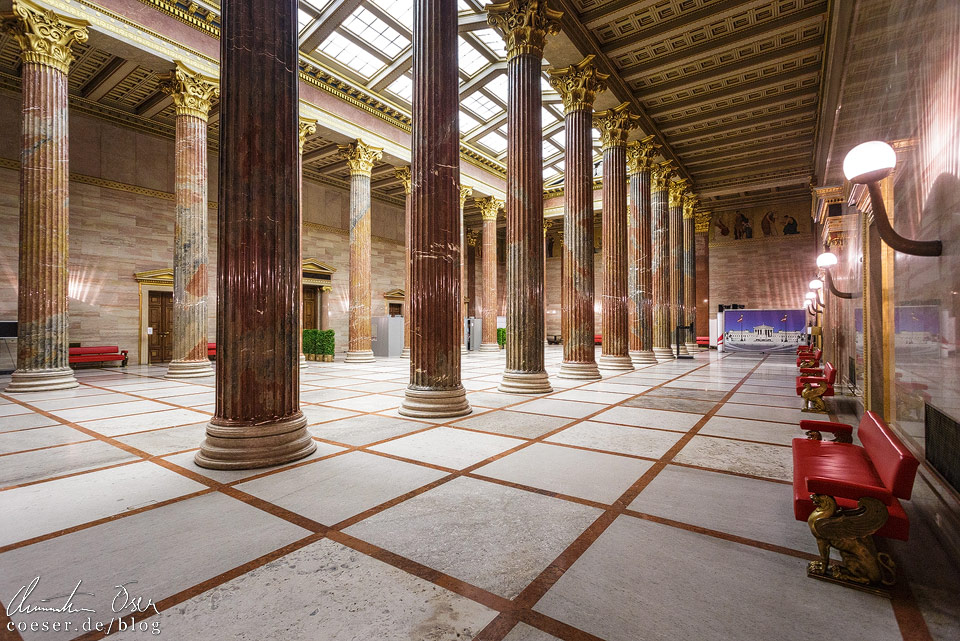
(810, 359)
(812, 388)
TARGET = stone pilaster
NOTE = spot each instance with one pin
(489, 210)
(614, 125)
(689, 274)
(465, 192)
(193, 95)
(678, 190)
(702, 267)
(578, 85)
(403, 175)
(435, 389)
(45, 40)
(525, 25)
(361, 158)
(660, 261)
(639, 245)
(307, 128)
(257, 421)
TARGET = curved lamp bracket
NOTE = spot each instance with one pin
(891, 237)
(828, 277)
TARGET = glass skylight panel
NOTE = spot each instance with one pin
(481, 105)
(463, 6)
(471, 60)
(350, 55)
(319, 5)
(376, 32)
(548, 149)
(548, 117)
(495, 142)
(493, 40)
(401, 10)
(467, 122)
(303, 19)
(560, 138)
(499, 86)
(402, 87)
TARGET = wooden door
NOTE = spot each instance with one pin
(160, 318)
(310, 307)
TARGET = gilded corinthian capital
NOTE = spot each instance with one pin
(45, 38)
(690, 201)
(525, 25)
(308, 127)
(193, 93)
(465, 192)
(489, 207)
(403, 175)
(360, 156)
(678, 188)
(701, 222)
(615, 124)
(640, 154)
(578, 84)
(660, 175)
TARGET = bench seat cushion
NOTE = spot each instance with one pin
(840, 462)
(93, 358)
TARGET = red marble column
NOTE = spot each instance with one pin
(689, 274)
(678, 189)
(325, 307)
(435, 389)
(547, 224)
(660, 260)
(489, 210)
(615, 125)
(307, 128)
(43, 325)
(525, 25)
(702, 249)
(257, 421)
(578, 85)
(361, 158)
(403, 175)
(465, 192)
(639, 163)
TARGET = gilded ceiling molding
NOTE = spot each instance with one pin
(615, 125)
(403, 175)
(490, 207)
(360, 156)
(640, 154)
(306, 128)
(578, 84)
(525, 25)
(45, 38)
(678, 188)
(823, 197)
(193, 93)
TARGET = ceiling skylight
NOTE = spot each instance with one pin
(401, 10)
(375, 32)
(351, 56)
(481, 105)
(471, 60)
(402, 87)
(494, 142)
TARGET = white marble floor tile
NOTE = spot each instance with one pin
(778, 414)
(80, 401)
(169, 417)
(514, 423)
(185, 460)
(22, 440)
(320, 414)
(328, 394)
(494, 399)
(166, 441)
(368, 403)
(618, 438)
(25, 422)
(16, 469)
(9, 409)
(448, 447)
(364, 429)
(644, 417)
(553, 407)
(768, 461)
(768, 432)
(95, 412)
(592, 396)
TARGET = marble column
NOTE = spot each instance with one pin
(678, 189)
(578, 85)
(473, 298)
(361, 158)
(325, 307)
(547, 224)
(307, 128)
(525, 25)
(257, 421)
(639, 163)
(702, 249)
(614, 125)
(403, 175)
(192, 96)
(689, 275)
(45, 40)
(489, 210)
(465, 192)
(435, 390)
(660, 260)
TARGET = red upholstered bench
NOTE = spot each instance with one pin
(598, 339)
(703, 341)
(98, 354)
(848, 493)
(813, 384)
(211, 350)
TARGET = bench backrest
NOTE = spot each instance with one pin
(103, 349)
(894, 463)
(830, 372)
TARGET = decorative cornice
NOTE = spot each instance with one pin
(360, 156)
(465, 192)
(578, 84)
(823, 197)
(306, 128)
(701, 222)
(193, 93)
(45, 38)
(615, 124)
(660, 175)
(525, 25)
(677, 188)
(640, 155)
(489, 207)
(403, 175)
(208, 23)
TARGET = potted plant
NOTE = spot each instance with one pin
(310, 350)
(326, 344)
(501, 336)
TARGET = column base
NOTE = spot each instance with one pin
(663, 354)
(683, 349)
(579, 371)
(611, 362)
(405, 353)
(245, 447)
(303, 361)
(692, 348)
(430, 403)
(189, 369)
(489, 347)
(41, 380)
(464, 350)
(646, 357)
(360, 356)
(525, 383)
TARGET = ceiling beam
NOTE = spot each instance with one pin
(153, 105)
(472, 22)
(729, 91)
(787, 144)
(786, 96)
(327, 22)
(322, 152)
(108, 78)
(385, 77)
(781, 157)
(697, 137)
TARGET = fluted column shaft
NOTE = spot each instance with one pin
(435, 389)
(614, 353)
(257, 421)
(689, 281)
(640, 257)
(488, 328)
(677, 302)
(660, 266)
(403, 174)
(360, 343)
(465, 192)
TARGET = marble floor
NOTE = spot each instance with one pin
(653, 504)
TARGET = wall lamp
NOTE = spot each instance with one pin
(867, 164)
(825, 261)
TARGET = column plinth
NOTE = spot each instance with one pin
(436, 310)
(45, 40)
(403, 175)
(578, 86)
(689, 274)
(660, 260)
(489, 210)
(677, 193)
(525, 25)
(639, 163)
(257, 421)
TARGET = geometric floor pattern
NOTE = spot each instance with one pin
(654, 504)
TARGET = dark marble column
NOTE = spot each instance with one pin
(547, 224)
(403, 175)
(45, 40)
(689, 274)
(465, 192)
(702, 249)
(678, 189)
(258, 421)
(660, 261)
(435, 389)
(307, 128)
(361, 158)
(578, 85)
(489, 210)
(525, 25)
(639, 163)
(615, 125)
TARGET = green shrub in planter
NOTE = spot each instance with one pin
(310, 342)
(501, 336)
(326, 342)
